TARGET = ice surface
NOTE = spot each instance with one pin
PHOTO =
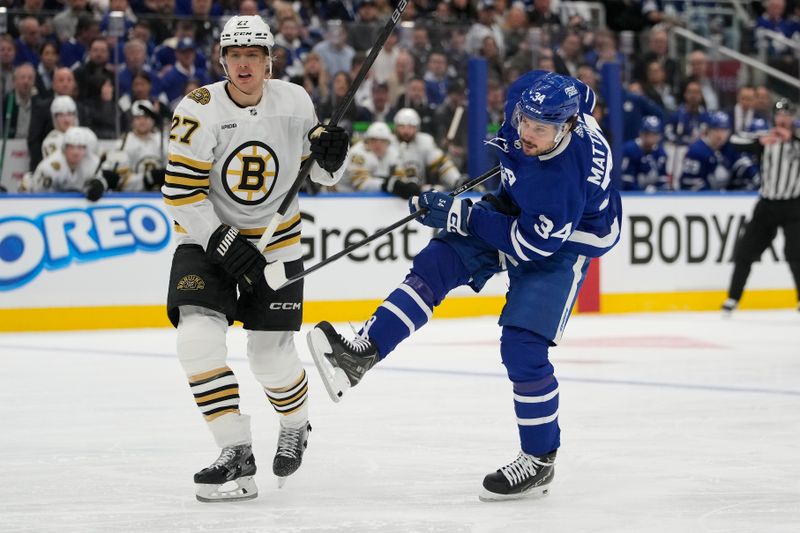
(670, 423)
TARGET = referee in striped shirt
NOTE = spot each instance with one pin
(778, 204)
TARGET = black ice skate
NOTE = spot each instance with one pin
(236, 465)
(292, 442)
(341, 362)
(729, 306)
(527, 476)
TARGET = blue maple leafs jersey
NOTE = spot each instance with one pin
(643, 171)
(705, 169)
(565, 198)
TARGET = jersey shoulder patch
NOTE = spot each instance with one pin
(56, 165)
(202, 96)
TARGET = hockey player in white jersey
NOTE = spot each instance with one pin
(373, 165)
(74, 168)
(235, 149)
(65, 115)
(420, 157)
(139, 161)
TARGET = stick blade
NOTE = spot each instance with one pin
(275, 274)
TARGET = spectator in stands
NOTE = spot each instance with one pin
(135, 53)
(129, 17)
(657, 88)
(400, 76)
(384, 64)
(644, 161)
(100, 106)
(28, 42)
(65, 24)
(462, 11)
(605, 51)
(774, 20)
(416, 98)
(160, 19)
(96, 65)
(142, 32)
(362, 32)
(354, 113)
(289, 37)
(743, 113)
(315, 78)
(75, 48)
(495, 100)
(206, 31)
(165, 54)
(420, 47)
(41, 119)
(545, 60)
(542, 14)
(457, 55)
(450, 124)
(30, 8)
(698, 69)
(657, 50)
(48, 55)
(20, 102)
(515, 28)
(569, 54)
(491, 54)
(336, 54)
(711, 162)
(378, 105)
(436, 79)
(8, 51)
(486, 25)
(174, 80)
(636, 106)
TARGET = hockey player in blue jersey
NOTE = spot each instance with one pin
(644, 161)
(712, 164)
(555, 209)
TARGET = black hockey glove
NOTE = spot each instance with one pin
(238, 257)
(3, 189)
(329, 146)
(112, 179)
(154, 178)
(94, 189)
(401, 187)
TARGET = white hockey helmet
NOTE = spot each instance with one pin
(63, 104)
(379, 130)
(245, 30)
(407, 117)
(79, 136)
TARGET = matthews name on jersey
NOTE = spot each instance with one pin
(565, 197)
(231, 164)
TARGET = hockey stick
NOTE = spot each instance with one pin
(305, 168)
(276, 277)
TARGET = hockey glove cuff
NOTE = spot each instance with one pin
(329, 146)
(94, 189)
(238, 257)
(154, 178)
(112, 178)
(444, 211)
(401, 187)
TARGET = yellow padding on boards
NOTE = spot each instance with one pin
(154, 316)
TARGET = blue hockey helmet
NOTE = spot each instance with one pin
(651, 124)
(552, 99)
(719, 120)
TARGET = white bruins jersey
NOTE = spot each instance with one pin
(53, 173)
(423, 160)
(137, 157)
(365, 172)
(233, 164)
(52, 143)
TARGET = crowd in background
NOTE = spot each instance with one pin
(167, 48)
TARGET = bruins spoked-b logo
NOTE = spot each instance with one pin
(250, 172)
(191, 282)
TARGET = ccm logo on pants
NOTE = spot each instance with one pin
(284, 306)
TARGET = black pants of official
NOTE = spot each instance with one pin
(768, 216)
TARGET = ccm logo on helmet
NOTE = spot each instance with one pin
(284, 306)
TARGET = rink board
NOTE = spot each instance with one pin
(69, 264)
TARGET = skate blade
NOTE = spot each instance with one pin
(281, 482)
(532, 493)
(334, 379)
(243, 489)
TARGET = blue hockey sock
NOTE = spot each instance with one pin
(535, 387)
(405, 310)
